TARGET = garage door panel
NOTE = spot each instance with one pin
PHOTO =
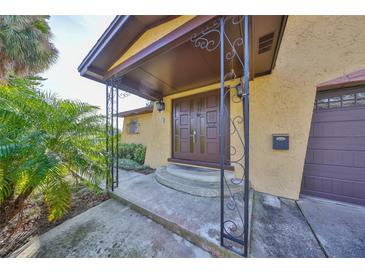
(339, 172)
(336, 158)
(348, 143)
(339, 129)
(334, 186)
(341, 114)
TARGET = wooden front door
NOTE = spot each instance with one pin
(196, 128)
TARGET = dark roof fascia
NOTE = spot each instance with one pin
(105, 38)
(355, 78)
(349, 84)
(137, 111)
(280, 38)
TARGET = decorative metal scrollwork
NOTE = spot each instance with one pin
(234, 225)
(204, 40)
(237, 19)
(113, 94)
(236, 43)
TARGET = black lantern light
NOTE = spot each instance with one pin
(160, 105)
(238, 89)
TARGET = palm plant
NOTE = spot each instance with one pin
(25, 46)
(45, 143)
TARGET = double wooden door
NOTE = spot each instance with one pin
(196, 128)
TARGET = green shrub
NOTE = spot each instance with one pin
(135, 152)
(129, 164)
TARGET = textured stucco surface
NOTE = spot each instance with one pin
(144, 125)
(314, 49)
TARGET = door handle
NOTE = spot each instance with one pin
(194, 136)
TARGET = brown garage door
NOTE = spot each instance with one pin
(335, 161)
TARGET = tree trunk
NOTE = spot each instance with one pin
(10, 208)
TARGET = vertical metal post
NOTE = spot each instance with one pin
(246, 72)
(107, 132)
(112, 135)
(221, 126)
(117, 140)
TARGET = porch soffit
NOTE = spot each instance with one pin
(169, 63)
(184, 67)
(150, 36)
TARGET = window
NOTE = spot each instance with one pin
(133, 127)
(356, 98)
(360, 98)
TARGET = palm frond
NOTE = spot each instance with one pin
(44, 140)
(25, 45)
(7, 149)
(58, 198)
(5, 186)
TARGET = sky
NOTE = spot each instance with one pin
(74, 36)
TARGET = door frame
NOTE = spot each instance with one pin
(228, 142)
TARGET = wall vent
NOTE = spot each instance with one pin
(265, 42)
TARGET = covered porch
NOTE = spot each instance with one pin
(197, 69)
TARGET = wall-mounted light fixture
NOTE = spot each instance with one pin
(160, 105)
(238, 89)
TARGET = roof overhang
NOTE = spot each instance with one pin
(356, 78)
(122, 32)
(137, 111)
(172, 64)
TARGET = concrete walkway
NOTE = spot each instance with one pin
(278, 229)
(307, 228)
(110, 230)
(339, 227)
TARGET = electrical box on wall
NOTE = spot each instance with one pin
(280, 141)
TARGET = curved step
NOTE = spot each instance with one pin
(196, 184)
(198, 174)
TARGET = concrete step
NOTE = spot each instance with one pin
(198, 174)
(195, 181)
(197, 219)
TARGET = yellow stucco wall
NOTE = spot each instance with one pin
(145, 125)
(314, 49)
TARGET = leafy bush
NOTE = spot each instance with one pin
(129, 164)
(46, 143)
(135, 152)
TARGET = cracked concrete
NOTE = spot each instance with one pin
(339, 227)
(310, 227)
(281, 231)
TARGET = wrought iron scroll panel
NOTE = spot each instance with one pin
(113, 94)
(234, 191)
